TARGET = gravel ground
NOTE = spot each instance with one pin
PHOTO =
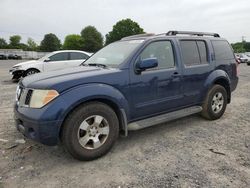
(189, 152)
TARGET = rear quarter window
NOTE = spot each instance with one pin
(222, 50)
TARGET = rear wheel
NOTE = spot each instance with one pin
(215, 103)
(90, 131)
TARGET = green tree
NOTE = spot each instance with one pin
(247, 46)
(3, 43)
(23, 46)
(92, 39)
(15, 41)
(238, 47)
(73, 42)
(123, 28)
(31, 44)
(50, 43)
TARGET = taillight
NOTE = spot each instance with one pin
(237, 65)
(237, 61)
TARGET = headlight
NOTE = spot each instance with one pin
(40, 98)
(16, 67)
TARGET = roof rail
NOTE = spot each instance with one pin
(192, 33)
(139, 35)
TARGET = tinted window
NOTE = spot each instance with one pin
(77, 55)
(190, 53)
(203, 51)
(222, 50)
(161, 50)
(59, 57)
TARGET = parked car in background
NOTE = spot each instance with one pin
(3, 56)
(244, 58)
(131, 84)
(53, 61)
(14, 56)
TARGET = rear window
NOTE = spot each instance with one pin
(222, 50)
(77, 56)
(194, 52)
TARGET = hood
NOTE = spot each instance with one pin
(26, 63)
(61, 80)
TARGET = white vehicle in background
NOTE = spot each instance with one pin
(244, 58)
(53, 61)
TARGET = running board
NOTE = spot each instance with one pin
(163, 118)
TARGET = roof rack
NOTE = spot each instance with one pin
(138, 36)
(192, 33)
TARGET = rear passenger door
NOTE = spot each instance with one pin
(197, 65)
(156, 90)
(75, 59)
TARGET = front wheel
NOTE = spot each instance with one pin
(90, 131)
(30, 72)
(215, 103)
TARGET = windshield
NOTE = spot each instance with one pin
(113, 54)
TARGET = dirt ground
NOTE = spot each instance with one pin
(189, 152)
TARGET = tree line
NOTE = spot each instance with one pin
(241, 47)
(90, 39)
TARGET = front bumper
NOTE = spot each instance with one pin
(45, 132)
(16, 72)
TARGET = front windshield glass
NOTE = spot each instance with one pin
(113, 54)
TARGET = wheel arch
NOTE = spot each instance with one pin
(224, 83)
(31, 68)
(219, 77)
(106, 94)
(120, 115)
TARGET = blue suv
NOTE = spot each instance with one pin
(139, 81)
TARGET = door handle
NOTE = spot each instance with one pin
(175, 74)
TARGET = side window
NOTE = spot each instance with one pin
(194, 52)
(77, 55)
(222, 50)
(190, 53)
(162, 50)
(203, 51)
(59, 57)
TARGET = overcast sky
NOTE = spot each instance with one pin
(34, 18)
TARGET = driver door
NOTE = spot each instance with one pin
(56, 61)
(156, 90)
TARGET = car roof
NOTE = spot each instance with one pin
(88, 53)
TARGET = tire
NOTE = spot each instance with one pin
(84, 127)
(30, 72)
(215, 103)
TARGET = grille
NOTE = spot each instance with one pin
(28, 97)
(24, 97)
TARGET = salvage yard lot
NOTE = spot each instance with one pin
(189, 152)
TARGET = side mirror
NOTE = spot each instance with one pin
(47, 60)
(146, 64)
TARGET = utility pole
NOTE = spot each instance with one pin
(243, 38)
